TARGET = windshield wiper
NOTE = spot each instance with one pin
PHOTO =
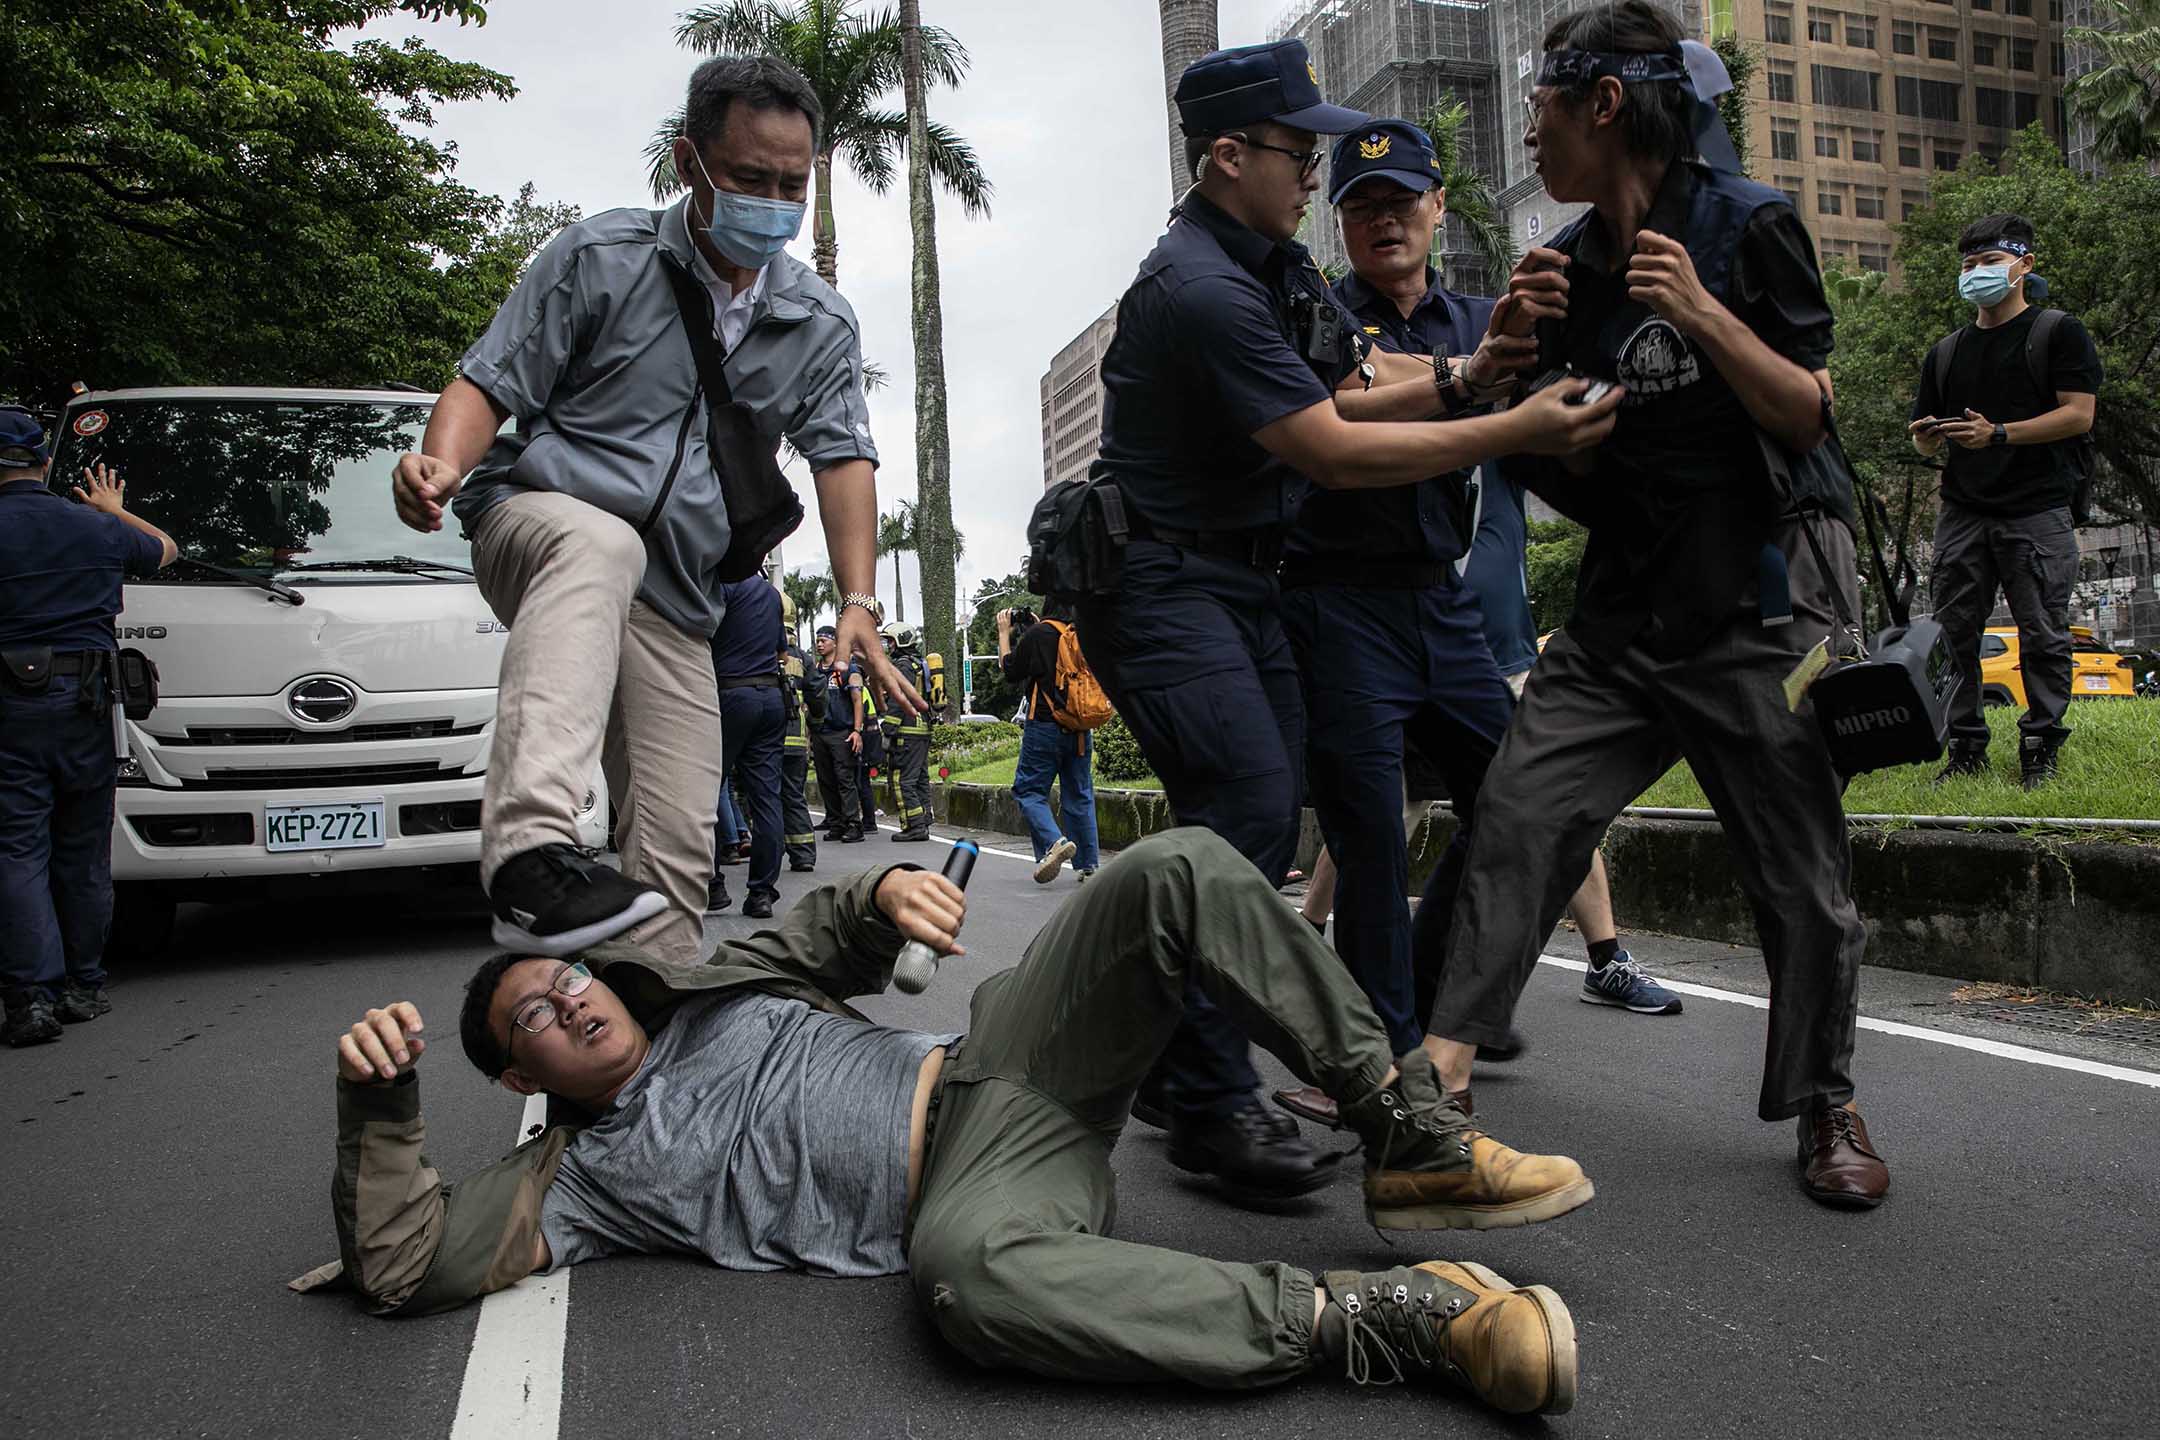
(395, 564)
(282, 592)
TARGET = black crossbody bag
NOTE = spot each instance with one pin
(762, 508)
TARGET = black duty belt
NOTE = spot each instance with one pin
(1261, 549)
(1304, 570)
(749, 682)
(30, 659)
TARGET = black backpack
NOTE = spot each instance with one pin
(2084, 455)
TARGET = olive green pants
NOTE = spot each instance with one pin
(1010, 1244)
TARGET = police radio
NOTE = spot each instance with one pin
(1891, 706)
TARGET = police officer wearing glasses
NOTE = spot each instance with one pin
(1229, 391)
(61, 567)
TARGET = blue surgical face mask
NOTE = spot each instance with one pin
(749, 229)
(1984, 285)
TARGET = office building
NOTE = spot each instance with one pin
(1072, 402)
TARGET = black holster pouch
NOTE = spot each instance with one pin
(762, 508)
(1076, 539)
(1893, 706)
(134, 681)
(29, 668)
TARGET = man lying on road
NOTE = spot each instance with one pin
(722, 1109)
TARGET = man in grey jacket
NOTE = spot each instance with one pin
(598, 523)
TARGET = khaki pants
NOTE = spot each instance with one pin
(593, 673)
(1011, 1247)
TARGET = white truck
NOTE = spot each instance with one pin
(326, 675)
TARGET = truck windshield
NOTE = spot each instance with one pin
(266, 486)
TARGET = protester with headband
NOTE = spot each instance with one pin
(1701, 588)
(2004, 401)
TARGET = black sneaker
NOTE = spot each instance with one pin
(1251, 1149)
(802, 867)
(757, 907)
(910, 835)
(554, 900)
(32, 1022)
(79, 1003)
(1965, 759)
(851, 837)
(2036, 761)
(716, 896)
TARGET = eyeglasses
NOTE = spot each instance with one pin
(1308, 160)
(536, 1014)
(1535, 104)
(1365, 212)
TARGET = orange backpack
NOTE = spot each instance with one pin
(1076, 697)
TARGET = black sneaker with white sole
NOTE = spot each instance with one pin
(554, 901)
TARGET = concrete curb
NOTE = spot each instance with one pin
(2080, 916)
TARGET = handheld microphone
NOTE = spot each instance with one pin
(917, 965)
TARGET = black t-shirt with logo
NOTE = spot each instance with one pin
(1989, 373)
(1678, 504)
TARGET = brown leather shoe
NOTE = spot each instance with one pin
(1838, 1163)
(1458, 1325)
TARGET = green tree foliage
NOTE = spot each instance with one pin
(1740, 63)
(196, 191)
(1470, 198)
(1550, 559)
(813, 593)
(852, 61)
(2100, 252)
(993, 696)
(1118, 755)
(2121, 97)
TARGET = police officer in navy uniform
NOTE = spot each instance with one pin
(61, 567)
(1389, 638)
(753, 724)
(1702, 587)
(1231, 386)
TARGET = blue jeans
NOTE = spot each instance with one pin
(1050, 752)
(57, 774)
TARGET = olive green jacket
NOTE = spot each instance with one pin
(411, 1244)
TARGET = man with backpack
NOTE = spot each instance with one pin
(2009, 401)
(1064, 704)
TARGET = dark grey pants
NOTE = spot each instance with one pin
(1590, 735)
(2033, 559)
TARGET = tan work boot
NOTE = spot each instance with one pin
(1455, 1324)
(1428, 1168)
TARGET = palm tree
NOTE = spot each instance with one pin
(812, 593)
(935, 550)
(851, 61)
(1470, 198)
(2121, 96)
(895, 534)
(1188, 32)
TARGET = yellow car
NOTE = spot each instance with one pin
(2094, 673)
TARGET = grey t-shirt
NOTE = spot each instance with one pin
(760, 1133)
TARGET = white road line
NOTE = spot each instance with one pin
(2001, 1050)
(514, 1376)
(953, 839)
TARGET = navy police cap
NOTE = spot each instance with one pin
(1390, 149)
(1229, 88)
(21, 434)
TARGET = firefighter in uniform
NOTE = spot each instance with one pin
(907, 741)
(799, 831)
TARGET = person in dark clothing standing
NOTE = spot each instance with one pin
(796, 701)
(753, 720)
(836, 741)
(2002, 399)
(1701, 588)
(61, 567)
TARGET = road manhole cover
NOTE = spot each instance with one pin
(2060, 1016)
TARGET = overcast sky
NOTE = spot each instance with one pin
(1064, 106)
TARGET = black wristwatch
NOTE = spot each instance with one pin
(2001, 435)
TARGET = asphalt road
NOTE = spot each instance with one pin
(165, 1170)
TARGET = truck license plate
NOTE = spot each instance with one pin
(348, 825)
